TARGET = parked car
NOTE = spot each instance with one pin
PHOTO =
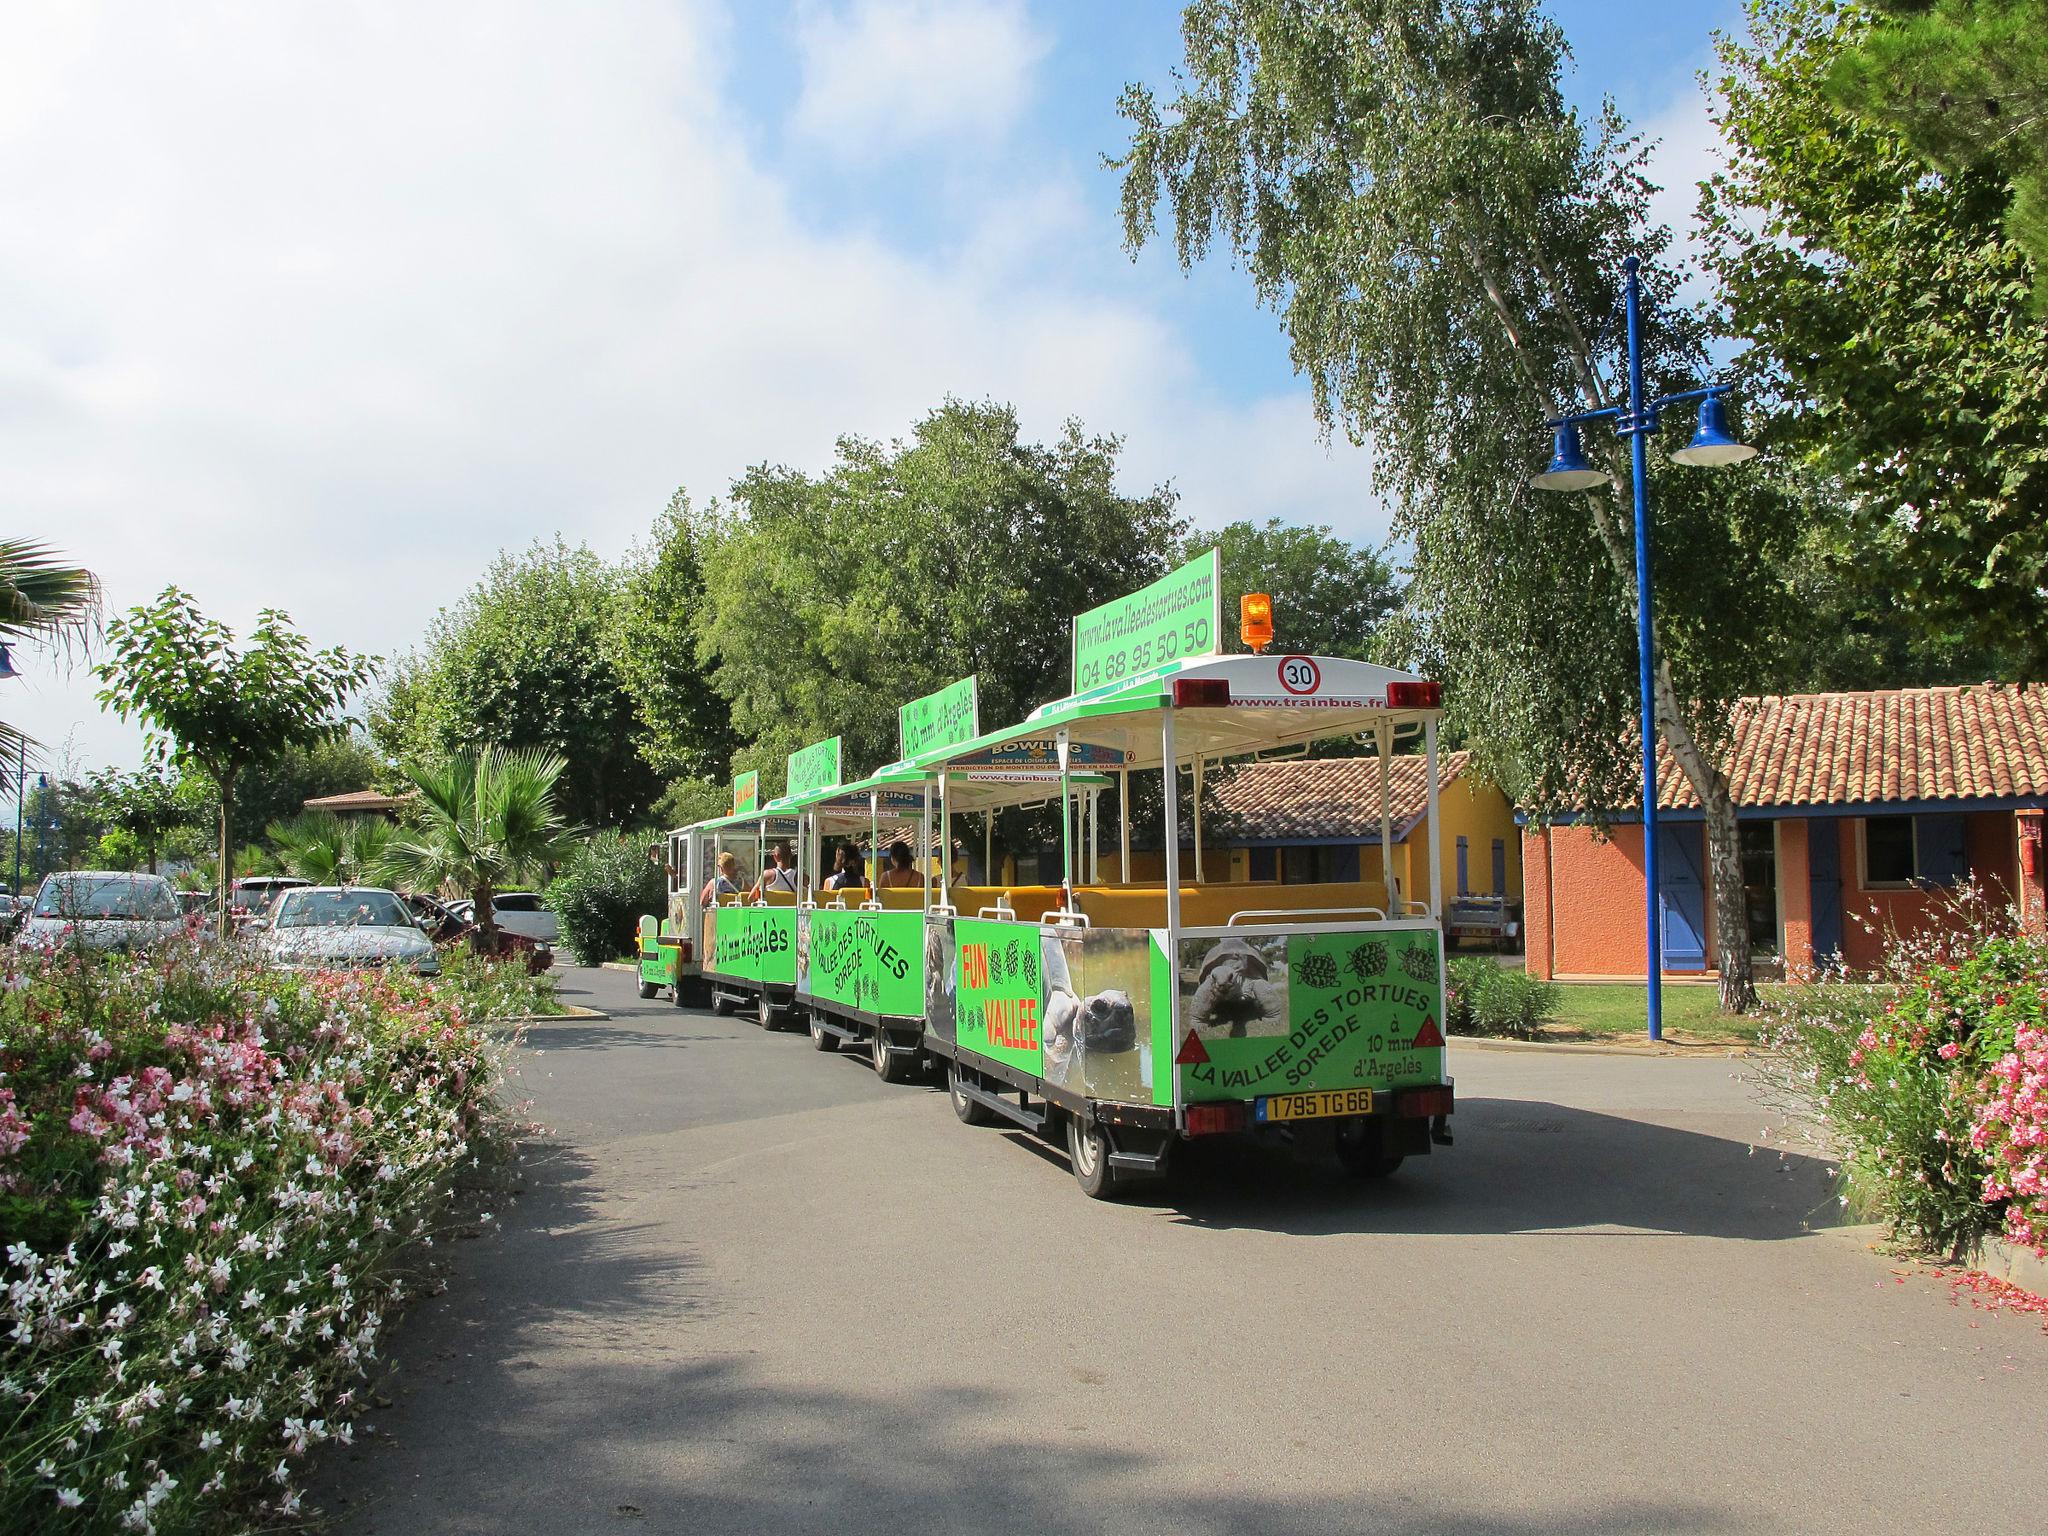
(196, 901)
(332, 927)
(1492, 921)
(12, 910)
(250, 898)
(102, 909)
(518, 912)
(447, 924)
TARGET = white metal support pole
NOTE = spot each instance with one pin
(1435, 855)
(924, 838)
(874, 859)
(1198, 818)
(1123, 825)
(1094, 837)
(945, 840)
(1383, 736)
(1066, 826)
(988, 847)
(1170, 773)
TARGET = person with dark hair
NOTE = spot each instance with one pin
(849, 872)
(781, 876)
(900, 875)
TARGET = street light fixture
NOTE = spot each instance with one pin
(1713, 444)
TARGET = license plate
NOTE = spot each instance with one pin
(1313, 1106)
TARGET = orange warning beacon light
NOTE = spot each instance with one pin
(1255, 621)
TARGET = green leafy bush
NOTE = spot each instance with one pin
(1899, 1080)
(484, 988)
(211, 1174)
(1488, 999)
(601, 894)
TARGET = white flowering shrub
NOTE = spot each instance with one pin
(209, 1176)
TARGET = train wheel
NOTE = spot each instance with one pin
(890, 1066)
(970, 1111)
(720, 1003)
(648, 989)
(764, 1013)
(1089, 1149)
(1367, 1149)
(822, 1039)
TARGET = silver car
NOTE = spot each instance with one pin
(102, 909)
(332, 927)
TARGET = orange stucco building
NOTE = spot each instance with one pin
(1859, 812)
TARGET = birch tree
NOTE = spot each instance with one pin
(1441, 237)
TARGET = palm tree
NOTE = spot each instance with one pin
(332, 850)
(482, 822)
(41, 598)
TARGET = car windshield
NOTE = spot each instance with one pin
(254, 896)
(341, 909)
(88, 898)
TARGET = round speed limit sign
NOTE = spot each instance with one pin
(1300, 674)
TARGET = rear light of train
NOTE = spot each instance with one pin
(1201, 692)
(1215, 1119)
(1415, 695)
(1415, 1103)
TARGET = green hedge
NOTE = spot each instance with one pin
(603, 891)
(1488, 999)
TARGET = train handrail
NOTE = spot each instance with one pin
(999, 914)
(1059, 917)
(870, 905)
(942, 909)
(1373, 912)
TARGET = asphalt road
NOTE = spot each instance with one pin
(749, 1288)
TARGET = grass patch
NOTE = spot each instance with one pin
(1602, 1010)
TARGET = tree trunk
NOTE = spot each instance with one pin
(227, 846)
(486, 922)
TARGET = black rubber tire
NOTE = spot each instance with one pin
(822, 1039)
(764, 1014)
(721, 1005)
(890, 1066)
(1089, 1150)
(968, 1111)
(648, 989)
(1366, 1148)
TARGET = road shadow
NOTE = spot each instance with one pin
(599, 1035)
(1518, 1166)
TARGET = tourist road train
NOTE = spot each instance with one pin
(1126, 1015)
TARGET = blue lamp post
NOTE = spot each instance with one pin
(1712, 445)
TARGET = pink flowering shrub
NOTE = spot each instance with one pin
(2012, 1129)
(1920, 1083)
(210, 1174)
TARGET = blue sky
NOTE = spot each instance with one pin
(319, 308)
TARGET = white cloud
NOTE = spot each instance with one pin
(1689, 149)
(318, 309)
(880, 75)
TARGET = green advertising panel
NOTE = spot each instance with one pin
(1286, 1013)
(816, 767)
(867, 961)
(997, 997)
(941, 719)
(746, 793)
(660, 956)
(756, 944)
(1177, 616)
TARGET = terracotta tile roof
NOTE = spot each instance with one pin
(358, 801)
(1985, 742)
(1336, 797)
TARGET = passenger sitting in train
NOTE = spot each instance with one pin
(726, 882)
(899, 875)
(780, 876)
(849, 872)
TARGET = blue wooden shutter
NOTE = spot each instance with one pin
(1684, 896)
(1500, 867)
(1940, 849)
(1464, 884)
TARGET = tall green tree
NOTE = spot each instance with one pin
(686, 725)
(1330, 596)
(1889, 343)
(1965, 83)
(144, 806)
(526, 662)
(1441, 237)
(829, 600)
(220, 708)
(482, 823)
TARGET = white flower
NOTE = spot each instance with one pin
(46, 1469)
(69, 1498)
(21, 1254)
(209, 1439)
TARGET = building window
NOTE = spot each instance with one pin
(1464, 868)
(1264, 865)
(1888, 851)
(1760, 884)
(1500, 867)
(1298, 866)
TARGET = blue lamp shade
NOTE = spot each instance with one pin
(1713, 444)
(1568, 469)
(7, 666)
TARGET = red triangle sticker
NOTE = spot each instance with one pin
(1192, 1052)
(1428, 1038)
